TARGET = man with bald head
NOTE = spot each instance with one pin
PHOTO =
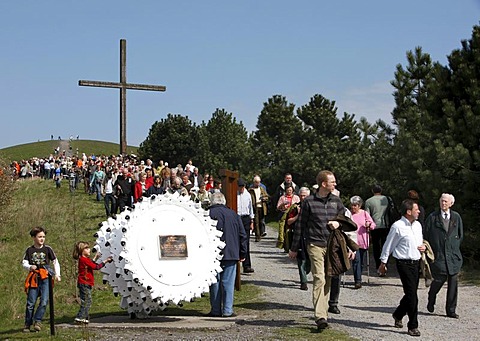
(444, 231)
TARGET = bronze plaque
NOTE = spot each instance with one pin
(173, 246)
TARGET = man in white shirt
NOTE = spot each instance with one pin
(245, 211)
(109, 197)
(405, 243)
(47, 168)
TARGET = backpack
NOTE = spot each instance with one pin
(392, 214)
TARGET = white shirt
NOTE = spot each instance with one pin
(195, 180)
(244, 204)
(257, 196)
(352, 234)
(109, 186)
(403, 240)
(448, 214)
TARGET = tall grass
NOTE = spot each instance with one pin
(66, 218)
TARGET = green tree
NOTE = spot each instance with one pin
(330, 143)
(223, 143)
(457, 143)
(173, 139)
(438, 119)
(381, 162)
(321, 130)
(413, 148)
(274, 143)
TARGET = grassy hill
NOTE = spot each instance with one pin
(45, 148)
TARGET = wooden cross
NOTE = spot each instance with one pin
(230, 189)
(123, 86)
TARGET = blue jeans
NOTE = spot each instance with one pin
(110, 204)
(90, 187)
(98, 189)
(358, 265)
(303, 269)
(85, 292)
(32, 296)
(221, 293)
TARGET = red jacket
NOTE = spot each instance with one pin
(148, 182)
(138, 191)
(85, 270)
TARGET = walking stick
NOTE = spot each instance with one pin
(50, 301)
(368, 267)
(368, 258)
(238, 278)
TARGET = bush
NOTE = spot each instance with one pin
(7, 188)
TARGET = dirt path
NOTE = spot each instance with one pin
(65, 146)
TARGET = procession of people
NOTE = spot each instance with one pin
(315, 228)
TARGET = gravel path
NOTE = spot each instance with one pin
(365, 313)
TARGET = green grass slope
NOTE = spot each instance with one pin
(45, 148)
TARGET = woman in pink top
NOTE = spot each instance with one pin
(364, 223)
(287, 200)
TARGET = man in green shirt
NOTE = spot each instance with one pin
(376, 206)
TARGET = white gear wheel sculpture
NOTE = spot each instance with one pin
(146, 280)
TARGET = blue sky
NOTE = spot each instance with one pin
(209, 54)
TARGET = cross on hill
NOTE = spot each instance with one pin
(123, 86)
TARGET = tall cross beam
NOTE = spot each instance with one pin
(123, 86)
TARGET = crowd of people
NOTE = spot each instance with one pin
(314, 235)
(315, 227)
(120, 181)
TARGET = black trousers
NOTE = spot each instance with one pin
(334, 291)
(124, 201)
(409, 275)
(247, 263)
(452, 291)
(378, 239)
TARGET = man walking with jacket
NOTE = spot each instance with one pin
(405, 243)
(318, 213)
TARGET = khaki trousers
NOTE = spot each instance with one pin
(321, 282)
